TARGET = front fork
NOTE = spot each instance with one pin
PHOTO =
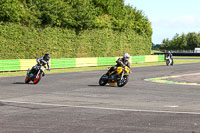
(122, 75)
(28, 71)
(39, 73)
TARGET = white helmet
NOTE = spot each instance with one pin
(126, 55)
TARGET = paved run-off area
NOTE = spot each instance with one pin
(74, 103)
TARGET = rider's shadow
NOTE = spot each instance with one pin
(21, 83)
(102, 86)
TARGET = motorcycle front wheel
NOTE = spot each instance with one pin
(36, 80)
(172, 62)
(122, 82)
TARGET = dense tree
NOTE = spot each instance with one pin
(11, 10)
(155, 46)
(76, 14)
(182, 42)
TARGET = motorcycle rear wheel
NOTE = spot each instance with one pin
(102, 80)
(27, 80)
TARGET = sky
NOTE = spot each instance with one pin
(169, 17)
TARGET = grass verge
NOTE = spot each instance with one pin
(176, 61)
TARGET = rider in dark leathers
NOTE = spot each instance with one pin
(43, 61)
(120, 62)
(169, 56)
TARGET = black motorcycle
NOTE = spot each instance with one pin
(35, 74)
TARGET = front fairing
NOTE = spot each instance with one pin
(121, 69)
(127, 69)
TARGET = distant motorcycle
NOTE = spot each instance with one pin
(118, 77)
(169, 61)
(35, 74)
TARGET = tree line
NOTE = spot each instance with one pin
(75, 14)
(182, 42)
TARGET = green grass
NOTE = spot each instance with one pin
(176, 61)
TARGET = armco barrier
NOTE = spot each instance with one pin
(9, 65)
(151, 58)
(24, 64)
(81, 62)
(27, 63)
(63, 63)
(103, 61)
(161, 57)
(138, 59)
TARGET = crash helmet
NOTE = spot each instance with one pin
(126, 56)
(47, 57)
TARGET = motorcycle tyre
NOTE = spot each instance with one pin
(172, 62)
(102, 82)
(37, 81)
(27, 80)
(125, 82)
(167, 62)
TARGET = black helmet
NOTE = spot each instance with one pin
(47, 57)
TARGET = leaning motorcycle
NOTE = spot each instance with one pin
(35, 74)
(118, 77)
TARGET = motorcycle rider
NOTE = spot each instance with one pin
(120, 62)
(169, 56)
(44, 61)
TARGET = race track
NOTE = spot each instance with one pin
(75, 103)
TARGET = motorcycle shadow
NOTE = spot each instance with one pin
(22, 83)
(102, 86)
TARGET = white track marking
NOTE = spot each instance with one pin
(171, 106)
(103, 108)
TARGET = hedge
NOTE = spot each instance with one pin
(23, 42)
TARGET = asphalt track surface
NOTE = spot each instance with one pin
(75, 103)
